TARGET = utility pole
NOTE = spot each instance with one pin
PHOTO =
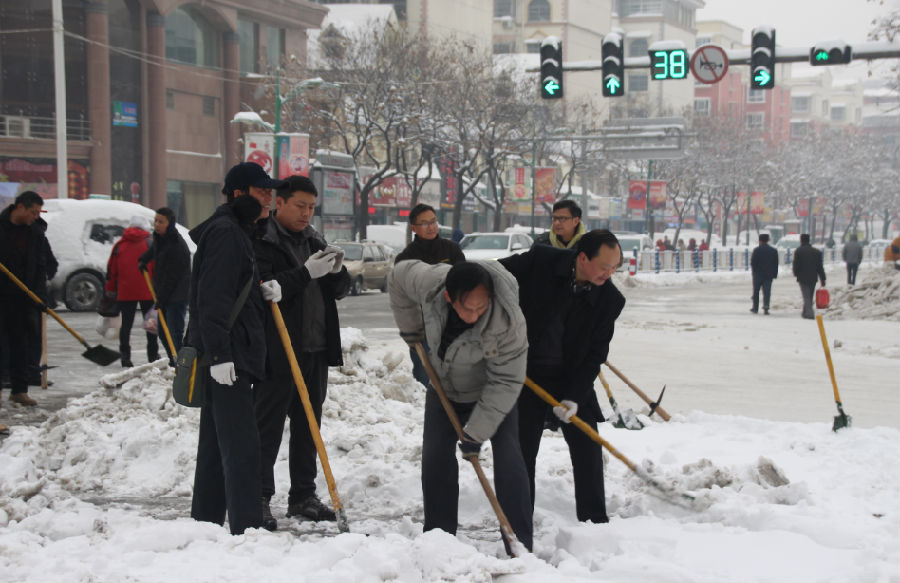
(59, 80)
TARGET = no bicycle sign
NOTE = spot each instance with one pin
(709, 64)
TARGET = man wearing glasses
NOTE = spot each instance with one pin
(430, 248)
(566, 228)
(570, 308)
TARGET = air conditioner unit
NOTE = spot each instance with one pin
(17, 127)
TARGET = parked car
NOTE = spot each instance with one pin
(494, 245)
(82, 234)
(631, 241)
(394, 236)
(788, 242)
(368, 264)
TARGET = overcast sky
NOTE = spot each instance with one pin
(800, 23)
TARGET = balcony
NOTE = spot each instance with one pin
(42, 128)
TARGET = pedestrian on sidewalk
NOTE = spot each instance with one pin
(22, 251)
(169, 260)
(127, 283)
(808, 267)
(565, 227)
(852, 256)
(289, 250)
(764, 267)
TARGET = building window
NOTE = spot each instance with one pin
(504, 8)
(799, 129)
(538, 10)
(274, 46)
(838, 113)
(191, 39)
(503, 48)
(637, 48)
(633, 7)
(702, 41)
(209, 105)
(533, 46)
(170, 99)
(248, 39)
(637, 82)
(800, 104)
(755, 121)
(756, 96)
(701, 107)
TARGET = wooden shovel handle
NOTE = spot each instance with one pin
(162, 318)
(640, 393)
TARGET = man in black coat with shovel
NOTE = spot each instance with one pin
(311, 276)
(570, 308)
(22, 245)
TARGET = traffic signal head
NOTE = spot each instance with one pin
(830, 53)
(762, 58)
(551, 68)
(613, 65)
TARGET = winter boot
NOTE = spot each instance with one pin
(311, 508)
(269, 522)
(125, 351)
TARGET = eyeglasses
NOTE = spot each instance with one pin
(562, 219)
(426, 223)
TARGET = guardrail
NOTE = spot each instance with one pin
(726, 259)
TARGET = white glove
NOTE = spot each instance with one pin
(223, 373)
(565, 410)
(338, 257)
(271, 290)
(319, 264)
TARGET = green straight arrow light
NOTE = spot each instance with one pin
(822, 56)
(613, 85)
(551, 86)
(762, 78)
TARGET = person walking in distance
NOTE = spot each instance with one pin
(565, 228)
(312, 277)
(570, 307)
(808, 267)
(764, 267)
(171, 260)
(225, 287)
(852, 256)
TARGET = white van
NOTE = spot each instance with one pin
(82, 234)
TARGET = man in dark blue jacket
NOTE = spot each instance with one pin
(570, 307)
(764, 265)
(227, 474)
(808, 268)
(311, 277)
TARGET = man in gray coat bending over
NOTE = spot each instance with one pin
(470, 317)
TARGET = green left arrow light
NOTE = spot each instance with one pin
(551, 87)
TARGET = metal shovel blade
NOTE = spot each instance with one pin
(628, 420)
(342, 523)
(842, 419)
(101, 355)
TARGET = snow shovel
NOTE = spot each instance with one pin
(628, 420)
(159, 312)
(670, 493)
(654, 406)
(96, 354)
(341, 517)
(505, 527)
(842, 420)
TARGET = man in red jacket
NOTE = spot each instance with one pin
(124, 279)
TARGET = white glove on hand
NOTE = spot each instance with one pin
(319, 264)
(338, 258)
(271, 290)
(223, 373)
(565, 411)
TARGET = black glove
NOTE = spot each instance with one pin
(413, 338)
(142, 266)
(469, 447)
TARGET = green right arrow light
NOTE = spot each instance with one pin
(762, 78)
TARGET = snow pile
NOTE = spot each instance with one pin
(101, 492)
(876, 296)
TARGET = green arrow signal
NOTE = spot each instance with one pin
(551, 86)
(613, 85)
(762, 78)
(822, 56)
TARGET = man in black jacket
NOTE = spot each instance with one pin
(807, 268)
(311, 277)
(565, 227)
(570, 308)
(171, 275)
(764, 265)
(227, 473)
(23, 247)
(428, 246)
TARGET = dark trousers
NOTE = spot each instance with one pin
(14, 326)
(127, 310)
(227, 473)
(174, 313)
(586, 456)
(852, 268)
(276, 399)
(766, 285)
(35, 345)
(440, 470)
(807, 290)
